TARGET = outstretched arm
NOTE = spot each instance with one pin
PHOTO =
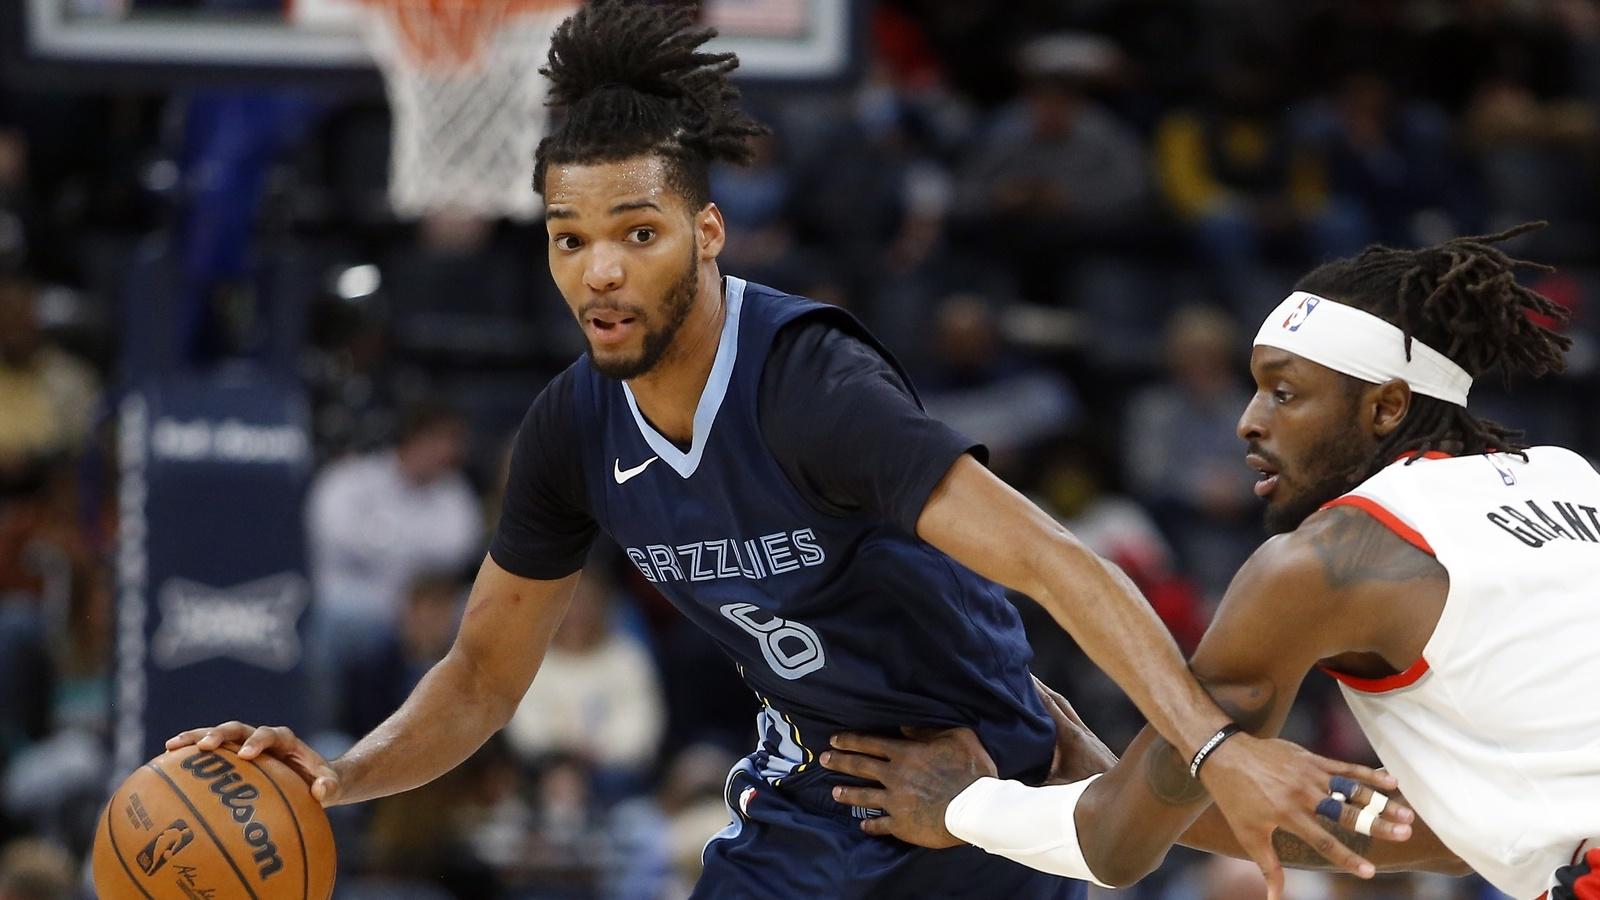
(1268, 631)
(470, 694)
(462, 700)
(990, 528)
(1301, 598)
(1081, 754)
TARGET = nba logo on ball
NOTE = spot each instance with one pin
(1301, 313)
(164, 846)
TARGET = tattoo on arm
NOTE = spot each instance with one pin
(1355, 548)
(1167, 774)
(1298, 854)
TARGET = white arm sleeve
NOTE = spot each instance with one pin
(1030, 825)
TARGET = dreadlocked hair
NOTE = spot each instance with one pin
(633, 82)
(1461, 298)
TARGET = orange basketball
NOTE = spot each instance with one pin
(206, 824)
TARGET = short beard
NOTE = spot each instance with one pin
(679, 300)
(1348, 464)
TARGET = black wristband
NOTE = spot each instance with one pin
(1206, 749)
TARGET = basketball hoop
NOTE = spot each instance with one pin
(468, 102)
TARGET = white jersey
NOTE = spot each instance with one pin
(1494, 734)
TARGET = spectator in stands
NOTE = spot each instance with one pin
(1073, 484)
(25, 675)
(83, 656)
(1057, 170)
(1231, 173)
(49, 396)
(658, 838)
(53, 618)
(1536, 156)
(569, 850)
(419, 845)
(1388, 166)
(872, 195)
(985, 389)
(755, 201)
(36, 870)
(1183, 457)
(598, 694)
(376, 521)
(375, 686)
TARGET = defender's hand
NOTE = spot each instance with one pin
(275, 739)
(919, 777)
(1079, 752)
(1262, 785)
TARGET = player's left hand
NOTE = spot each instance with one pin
(919, 775)
(1079, 752)
(1263, 785)
(1579, 881)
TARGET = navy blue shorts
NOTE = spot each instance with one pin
(795, 841)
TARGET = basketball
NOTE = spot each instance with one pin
(196, 823)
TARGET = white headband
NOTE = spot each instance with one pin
(1360, 345)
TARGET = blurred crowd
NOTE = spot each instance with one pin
(1065, 216)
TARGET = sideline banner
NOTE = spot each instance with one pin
(211, 572)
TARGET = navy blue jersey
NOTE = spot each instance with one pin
(836, 621)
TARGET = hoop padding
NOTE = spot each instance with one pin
(467, 99)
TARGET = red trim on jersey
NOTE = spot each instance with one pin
(1431, 454)
(1411, 536)
(1375, 509)
(1384, 684)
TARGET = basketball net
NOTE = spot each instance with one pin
(467, 100)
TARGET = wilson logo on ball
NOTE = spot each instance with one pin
(238, 796)
(164, 846)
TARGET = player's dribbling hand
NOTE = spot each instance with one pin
(1263, 785)
(278, 740)
(919, 778)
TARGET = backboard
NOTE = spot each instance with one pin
(107, 43)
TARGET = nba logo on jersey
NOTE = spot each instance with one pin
(1507, 477)
(1302, 312)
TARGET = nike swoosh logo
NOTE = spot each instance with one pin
(622, 475)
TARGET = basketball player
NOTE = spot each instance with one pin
(1437, 567)
(766, 465)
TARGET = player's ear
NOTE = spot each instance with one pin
(710, 232)
(1389, 402)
